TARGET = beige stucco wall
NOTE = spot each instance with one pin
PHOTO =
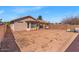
(18, 26)
(12, 26)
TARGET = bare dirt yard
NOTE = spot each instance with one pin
(38, 41)
(43, 40)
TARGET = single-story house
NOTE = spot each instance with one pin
(27, 23)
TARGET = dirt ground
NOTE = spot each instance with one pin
(42, 40)
(38, 41)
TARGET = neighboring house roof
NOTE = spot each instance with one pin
(31, 20)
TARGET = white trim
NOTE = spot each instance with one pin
(29, 25)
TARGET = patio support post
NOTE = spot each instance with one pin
(29, 25)
(38, 25)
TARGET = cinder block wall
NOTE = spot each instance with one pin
(63, 27)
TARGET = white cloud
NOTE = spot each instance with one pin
(28, 9)
(1, 11)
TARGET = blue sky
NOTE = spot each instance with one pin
(49, 13)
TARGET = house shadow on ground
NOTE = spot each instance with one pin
(74, 46)
(8, 43)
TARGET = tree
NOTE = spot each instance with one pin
(0, 20)
(39, 18)
(71, 21)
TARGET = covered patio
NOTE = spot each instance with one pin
(34, 25)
